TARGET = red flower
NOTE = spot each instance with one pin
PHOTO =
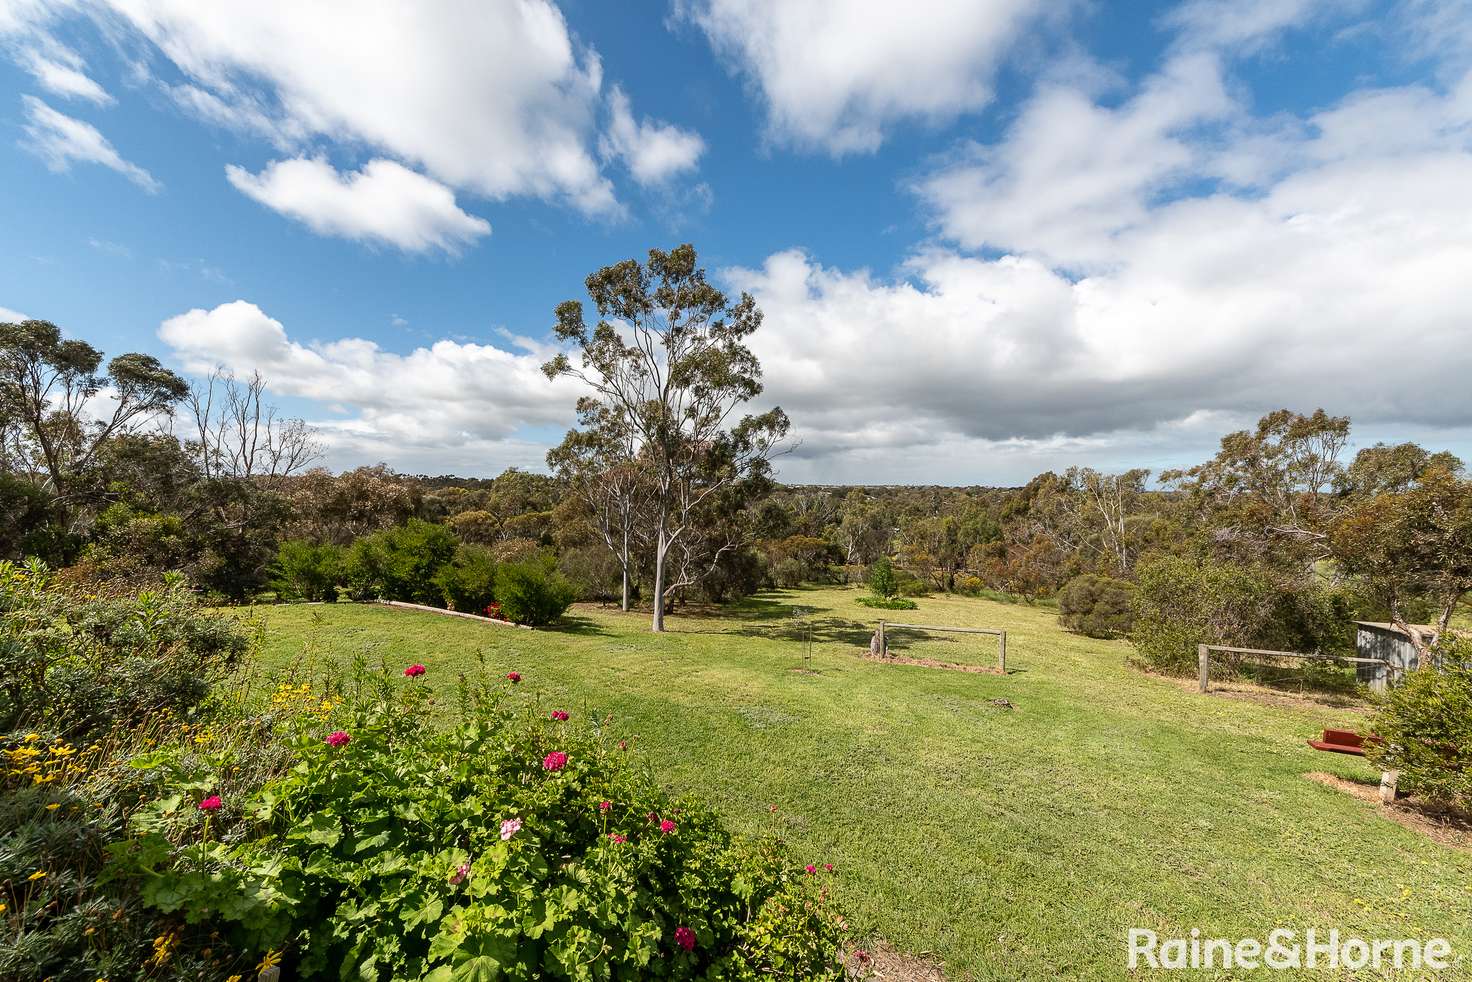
(603, 806)
(666, 827)
(555, 761)
(337, 738)
(828, 867)
(811, 868)
(211, 804)
(623, 745)
(685, 938)
(618, 840)
(414, 671)
(559, 715)
(514, 677)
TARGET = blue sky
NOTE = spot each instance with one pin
(990, 237)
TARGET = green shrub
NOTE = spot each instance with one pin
(1426, 725)
(887, 603)
(910, 585)
(400, 563)
(1098, 606)
(1182, 602)
(882, 581)
(90, 681)
(468, 582)
(532, 591)
(969, 585)
(77, 666)
(504, 846)
(33, 526)
(308, 571)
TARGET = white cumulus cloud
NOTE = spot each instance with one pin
(1071, 173)
(61, 72)
(835, 75)
(653, 151)
(384, 202)
(61, 140)
(495, 98)
(1337, 280)
(450, 404)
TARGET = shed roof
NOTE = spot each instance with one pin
(1384, 626)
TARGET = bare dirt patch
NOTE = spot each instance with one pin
(932, 663)
(882, 963)
(1447, 829)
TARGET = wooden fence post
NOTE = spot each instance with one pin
(1002, 654)
(1203, 663)
(883, 645)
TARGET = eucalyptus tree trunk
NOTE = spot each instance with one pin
(624, 601)
(662, 546)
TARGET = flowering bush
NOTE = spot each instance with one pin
(78, 665)
(508, 845)
(90, 682)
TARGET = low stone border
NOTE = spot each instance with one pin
(453, 613)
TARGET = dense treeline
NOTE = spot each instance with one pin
(1278, 541)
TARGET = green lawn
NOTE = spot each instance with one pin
(1009, 844)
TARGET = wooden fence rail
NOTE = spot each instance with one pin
(1203, 658)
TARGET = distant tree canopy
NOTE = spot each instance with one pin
(47, 386)
(120, 470)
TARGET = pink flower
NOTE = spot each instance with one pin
(460, 873)
(828, 867)
(211, 804)
(337, 738)
(555, 761)
(685, 938)
(618, 840)
(509, 828)
(811, 868)
(414, 671)
(514, 677)
(666, 827)
(603, 806)
(559, 715)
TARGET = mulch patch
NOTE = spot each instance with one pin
(883, 964)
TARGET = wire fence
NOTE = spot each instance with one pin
(982, 647)
(1292, 671)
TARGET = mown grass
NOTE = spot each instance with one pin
(1009, 844)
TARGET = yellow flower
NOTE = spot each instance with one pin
(32, 737)
(163, 947)
(234, 978)
(269, 960)
(4, 908)
(40, 874)
(53, 806)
